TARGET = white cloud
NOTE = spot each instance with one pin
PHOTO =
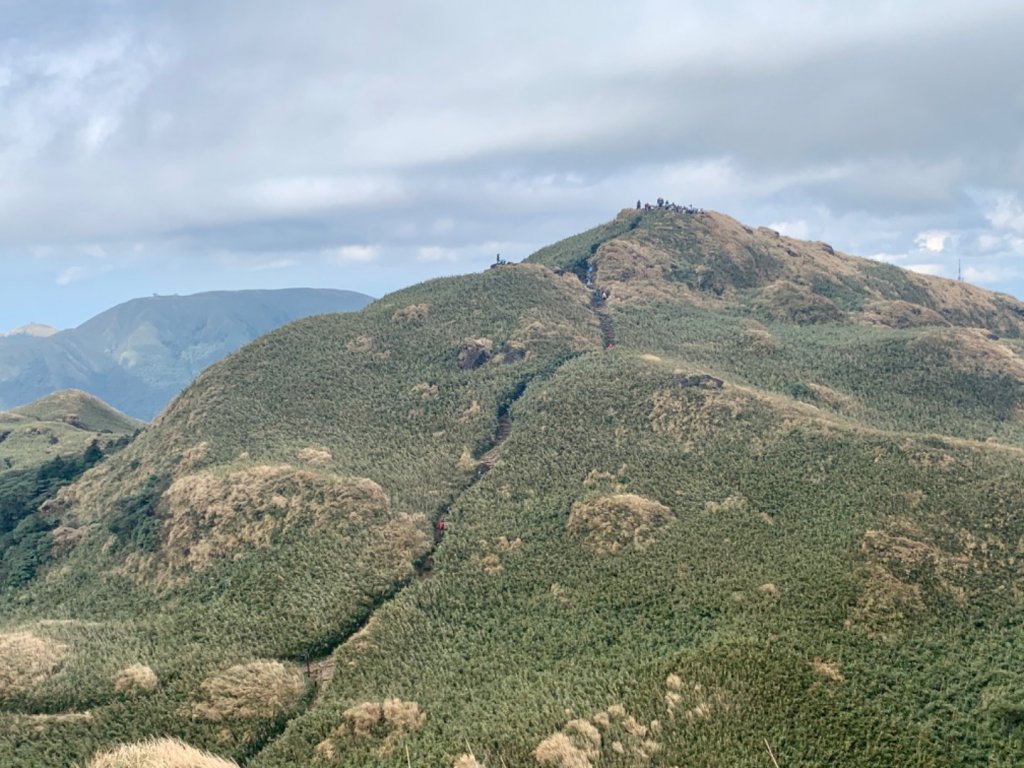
(71, 275)
(990, 275)
(927, 269)
(933, 240)
(801, 230)
(436, 253)
(275, 264)
(1007, 213)
(346, 254)
(305, 194)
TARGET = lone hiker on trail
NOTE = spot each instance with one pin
(439, 530)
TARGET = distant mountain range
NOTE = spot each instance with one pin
(140, 354)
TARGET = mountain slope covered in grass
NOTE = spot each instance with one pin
(140, 354)
(707, 492)
(43, 447)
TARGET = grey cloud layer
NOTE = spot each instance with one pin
(290, 130)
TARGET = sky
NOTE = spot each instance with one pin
(158, 147)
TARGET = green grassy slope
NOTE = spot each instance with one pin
(60, 424)
(697, 502)
(245, 501)
(760, 591)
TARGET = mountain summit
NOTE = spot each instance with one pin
(37, 330)
(672, 492)
(708, 258)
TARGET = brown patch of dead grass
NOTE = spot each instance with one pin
(158, 753)
(26, 660)
(211, 515)
(896, 559)
(899, 314)
(693, 702)
(315, 456)
(490, 554)
(608, 733)
(692, 414)
(257, 690)
(827, 669)
(136, 679)
(42, 723)
(383, 723)
(609, 523)
(413, 313)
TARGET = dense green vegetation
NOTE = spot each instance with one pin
(25, 541)
(45, 446)
(784, 511)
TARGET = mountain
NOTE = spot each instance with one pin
(60, 424)
(140, 354)
(43, 447)
(32, 329)
(711, 496)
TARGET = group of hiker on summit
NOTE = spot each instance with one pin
(667, 206)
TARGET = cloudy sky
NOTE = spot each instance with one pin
(176, 147)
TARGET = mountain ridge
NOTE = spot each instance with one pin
(687, 512)
(141, 353)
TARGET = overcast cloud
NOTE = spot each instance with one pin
(175, 147)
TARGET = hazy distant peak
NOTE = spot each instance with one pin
(39, 330)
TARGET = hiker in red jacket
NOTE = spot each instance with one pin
(439, 530)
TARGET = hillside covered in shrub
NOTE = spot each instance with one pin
(711, 496)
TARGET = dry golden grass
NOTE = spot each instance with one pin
(193, 457)
(538, 329)
(257, 690)
(609, 523)
(317, 457)
(39, 724)
(760, 340)
(833, 398)
(827, 669)
(692, 414)
(491, 553)
(360, 344)
(768, 589)
(899, 314)
(884, 604)
(384, 723)
(789, 302)
(693, 703)
(411, 314)
(561, 751)
(158, 753)
(467, 760)
(608, 733)
(136, 679)
(466, 462)
(974, 349)
(26, 660)
(734, 503)
(210, 515)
